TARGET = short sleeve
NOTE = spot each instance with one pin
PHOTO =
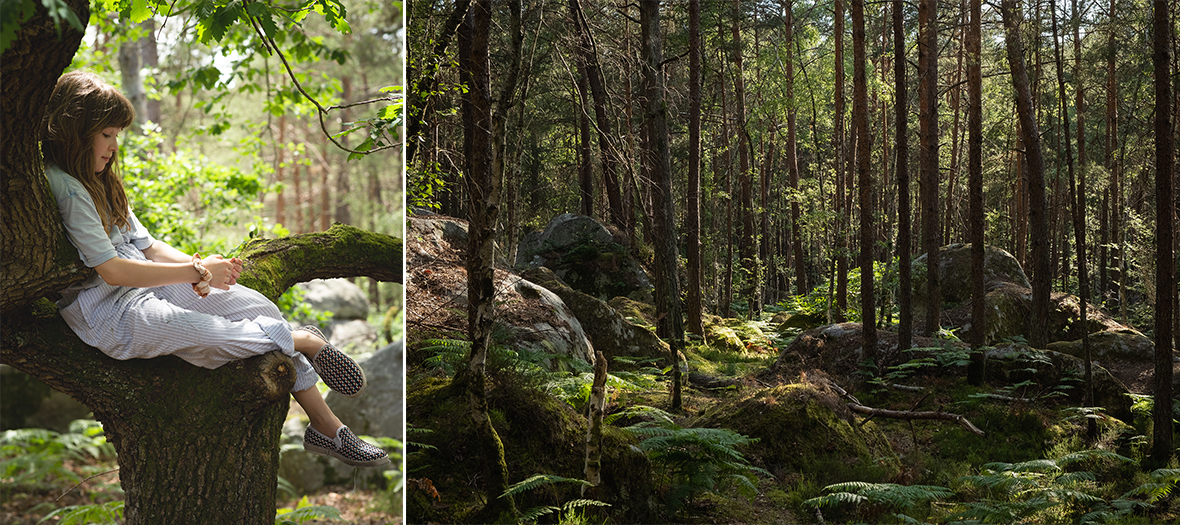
(80, 217)
(139, 235)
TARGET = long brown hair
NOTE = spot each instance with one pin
(81, 106)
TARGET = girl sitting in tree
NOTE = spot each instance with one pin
(148, 299)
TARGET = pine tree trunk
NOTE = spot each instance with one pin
(1161, 445)
(692, 218)
(792, 153)
(928, 155)
(905, 282)
(860, 109)
(1030, 132)
(842, 211)
(975, 369)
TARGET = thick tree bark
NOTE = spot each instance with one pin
(1030, 133)
(860, 110)
(668, 299)
(34, 264)
(692, 217)
(928, 155)
(1165, 267)
(901, 101)
(975, 370)
(586, 168)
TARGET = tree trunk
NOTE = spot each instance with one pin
(30, 224)
(860, 110)
(606, 144)
(928, 155)
(216, 431)
(483, 190)
(975, 369)
(1077, 198)
(1161, 445)
(792, 152)
(668, 299)
(748, 250)
(902, 151)
(842, 211)
(1030, 133)
(585, 171)
(692, 218)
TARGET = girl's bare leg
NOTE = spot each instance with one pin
(317, 410)
(306, 343)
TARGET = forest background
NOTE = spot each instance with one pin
(591, 107)
(226, 149)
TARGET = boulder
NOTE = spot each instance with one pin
(339, 296)
(799, 321)
(610, 332)
(585, 255)
(635, 311)
(954, 272)
(377, 412)
(1014, 363)
(355, 337)
(1008, 309)
(1123, 345)
(804, 428)
(561, 333)
(720, 336)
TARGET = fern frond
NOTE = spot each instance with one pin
(540, 480)
(536, 512)
(580, 503)
(835, 499)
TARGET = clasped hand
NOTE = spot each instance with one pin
(225, 271)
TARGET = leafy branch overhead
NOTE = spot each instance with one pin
(272, 28)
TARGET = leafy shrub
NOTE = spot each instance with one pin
(901, 499)
(36, 455)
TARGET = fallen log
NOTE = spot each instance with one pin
(908, 414)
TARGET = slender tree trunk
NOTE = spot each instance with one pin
(956, 136)
(727, 297)
(606, 144)
(343, 212)
(585, 171)
(1161, 445)
(1038, 333)
(842, 211)
(928, 153)
(901, 158)
(693, 212)
(975, 370)
(1077, 197)
(792, 155)
(860, 109)
(668, 304)
(280, 201)
(749, 247)
(483, 190)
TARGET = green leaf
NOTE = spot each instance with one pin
(139, 11)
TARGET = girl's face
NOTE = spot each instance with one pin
(106, 142)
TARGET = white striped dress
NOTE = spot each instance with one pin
(130, 323)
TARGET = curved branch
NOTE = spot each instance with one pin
(39, 343)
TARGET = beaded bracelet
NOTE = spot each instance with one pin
(201, 287)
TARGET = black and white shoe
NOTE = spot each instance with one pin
(345, 446)
(338, 371)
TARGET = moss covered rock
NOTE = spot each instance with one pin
(1008, 311)
(954, 272)
(540, 435)
(609, 332)
(1055, 371)
(584, 254)
(635, 311)
(1124, 345)
(806, 428)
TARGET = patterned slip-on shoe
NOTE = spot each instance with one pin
(345, 446)
(338, 371)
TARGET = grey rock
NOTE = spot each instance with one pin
(339, 296)
(378, 410)
(564, 337)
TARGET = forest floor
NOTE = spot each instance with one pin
(29, 501)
